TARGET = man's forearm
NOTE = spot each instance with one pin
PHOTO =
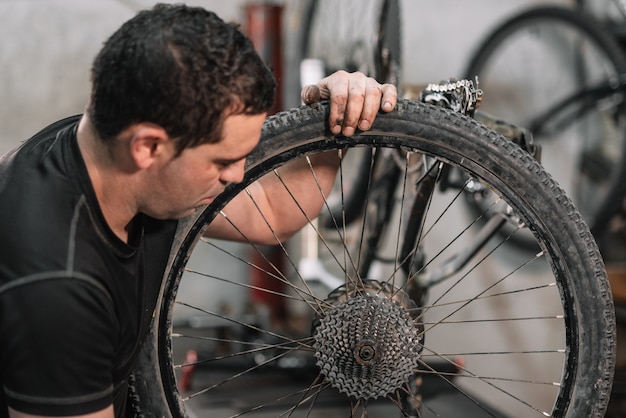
(279, 204)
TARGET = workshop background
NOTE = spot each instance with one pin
(46, 49)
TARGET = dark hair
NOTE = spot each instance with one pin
(178, 67)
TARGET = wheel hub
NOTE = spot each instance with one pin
(367, 345)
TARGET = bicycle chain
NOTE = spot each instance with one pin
(459, 95)
(368, 343)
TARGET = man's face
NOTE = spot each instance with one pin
(200, 173)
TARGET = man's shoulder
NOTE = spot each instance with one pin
(49, 133)
(30, 152)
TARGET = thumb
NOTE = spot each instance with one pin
(310, 94)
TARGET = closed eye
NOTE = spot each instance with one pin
(226, 163)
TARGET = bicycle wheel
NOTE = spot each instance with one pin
(557, 73)
(501, 334)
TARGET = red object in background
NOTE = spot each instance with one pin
(264, 28)
(189, 368)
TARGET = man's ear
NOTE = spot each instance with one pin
(147, 143)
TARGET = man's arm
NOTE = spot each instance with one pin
(354, 102)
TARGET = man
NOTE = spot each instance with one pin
(88, 206)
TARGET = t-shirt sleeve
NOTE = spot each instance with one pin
(57, 346)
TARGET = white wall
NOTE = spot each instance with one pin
(439, 35)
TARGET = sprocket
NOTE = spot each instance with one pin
(367, 345)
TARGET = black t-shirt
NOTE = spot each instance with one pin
(75, 301)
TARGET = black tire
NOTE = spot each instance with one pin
(563, 368)
(533, 61)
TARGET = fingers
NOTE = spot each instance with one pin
(347, 102)
(355, 100)
(390, 97)
(372, 104)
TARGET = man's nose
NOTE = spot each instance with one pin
(234, 173)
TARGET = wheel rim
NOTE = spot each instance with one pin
(474, 370)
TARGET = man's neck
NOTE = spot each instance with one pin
(108, 180)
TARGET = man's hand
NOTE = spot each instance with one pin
(355, 99)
